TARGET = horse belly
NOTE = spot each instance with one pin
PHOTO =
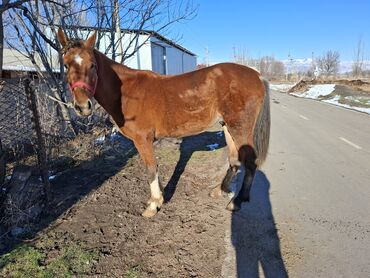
(189, 121)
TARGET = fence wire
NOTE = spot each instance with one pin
(20, 142)
(16, 129)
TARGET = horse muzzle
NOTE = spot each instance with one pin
(84, 109)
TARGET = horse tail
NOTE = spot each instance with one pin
(261, 134)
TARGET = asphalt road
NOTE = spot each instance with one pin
(309, 214)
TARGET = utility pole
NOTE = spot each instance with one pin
(115, 21)
(206, 56)
(118, 28)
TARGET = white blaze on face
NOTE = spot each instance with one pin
(78, 59)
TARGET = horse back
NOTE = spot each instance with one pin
(186, 104)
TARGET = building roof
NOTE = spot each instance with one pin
(18, 61)
(15, 60)
(143, 32)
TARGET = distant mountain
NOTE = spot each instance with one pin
(303, 65)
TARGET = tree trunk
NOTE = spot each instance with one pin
(65, 113)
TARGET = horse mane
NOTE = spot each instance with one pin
(72, 43)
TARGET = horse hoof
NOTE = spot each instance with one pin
(225, 187)
(232, 206)
(215, 192)
(149, 212)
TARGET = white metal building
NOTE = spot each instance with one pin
(156, 53)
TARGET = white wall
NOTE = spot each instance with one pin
(140, 60)
(177, 61)
(190, 62)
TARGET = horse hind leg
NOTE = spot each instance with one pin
(243, 137)
(247, 158)
(234, 165)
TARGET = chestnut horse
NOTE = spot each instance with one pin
(147, 106)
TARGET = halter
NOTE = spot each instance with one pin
(85, 86)
(82, 84)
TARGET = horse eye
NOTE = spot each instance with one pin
(93, 66)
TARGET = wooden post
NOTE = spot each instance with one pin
(41, 152)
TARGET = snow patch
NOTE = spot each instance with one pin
(100, 140)
(213, 147)
(281, 87)
(317, 91)
(335, 101)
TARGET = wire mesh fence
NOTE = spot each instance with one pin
(22, 145)
(16, 129)
(37, 145)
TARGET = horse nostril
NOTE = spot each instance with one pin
(89, 104)
(78, 108)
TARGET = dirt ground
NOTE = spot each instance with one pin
(358, 85)
(99, 203)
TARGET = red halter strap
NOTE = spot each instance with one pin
(85, 86)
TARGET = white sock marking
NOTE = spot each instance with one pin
(155, 189)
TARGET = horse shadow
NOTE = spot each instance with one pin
(254, 235)
(206, 141)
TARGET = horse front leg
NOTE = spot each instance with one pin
(146, 152)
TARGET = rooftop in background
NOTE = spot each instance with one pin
(15, 60)
(143, 32)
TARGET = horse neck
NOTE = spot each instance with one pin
(108, 91)
(112, 70)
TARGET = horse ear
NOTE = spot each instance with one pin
(62, 37)
(90, 42)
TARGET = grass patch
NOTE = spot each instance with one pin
(133, 272)
(28, 261)
(205, 156)
(363, 102)
(24, 261)
(167, 154)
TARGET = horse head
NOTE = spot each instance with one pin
(81, 70)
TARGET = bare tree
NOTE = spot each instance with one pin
(126, 19)
(35, 24)
(4, 7)
(31, 23)
(240, 56)
(271, 68)
(268, 66)
(358, 59)
(277, 69)
(329, 62)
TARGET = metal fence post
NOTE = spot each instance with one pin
(41, 151)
